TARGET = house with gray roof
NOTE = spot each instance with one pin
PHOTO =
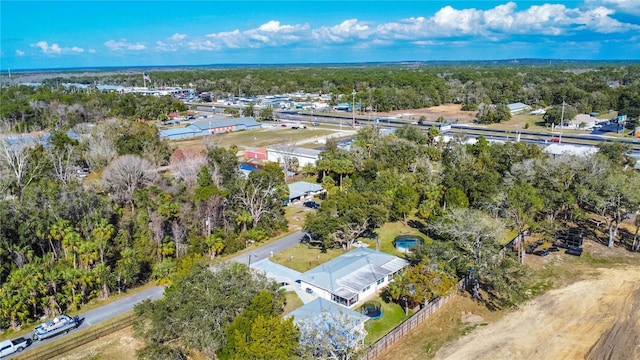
(352, 277)
(303, 189)
(284, 154)
(210, 126)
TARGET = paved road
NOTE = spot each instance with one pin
(264, 251)
(126, 304)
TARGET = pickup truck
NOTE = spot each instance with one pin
(60, 324)
(9, 347)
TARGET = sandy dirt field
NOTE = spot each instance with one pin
(565, 323)
(450, 112)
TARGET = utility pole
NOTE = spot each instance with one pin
(561, 121)
(353, 108)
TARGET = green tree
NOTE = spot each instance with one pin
(249, 110)
(522, 205)
(259, 332)
(556, 114)
(266, 114)
(195, 311)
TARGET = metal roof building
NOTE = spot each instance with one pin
(353, 276)
(210, 126)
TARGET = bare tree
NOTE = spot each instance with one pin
(125, 175)
(100, 150)
(285, 151)
(335, 336)
(62, 164)
(187, 163)
(17, 163)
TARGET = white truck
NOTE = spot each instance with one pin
(9, 347)
(60, 324)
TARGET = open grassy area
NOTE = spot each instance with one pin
(302, 258)
(295, 215)
(292, 302)
(253, 138)
(392, 316)
(388, 232)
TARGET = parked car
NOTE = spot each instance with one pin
(311, 204)
(283, 125)
(9, 347)
(315, 123)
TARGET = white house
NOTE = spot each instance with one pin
(353, 276)
(305, 156)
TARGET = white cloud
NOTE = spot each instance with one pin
(621, 6)
(495, 24)
(177, 37)
(92, 51)
(348, 30)
(55, 49)
(122, 44)
(19, 53)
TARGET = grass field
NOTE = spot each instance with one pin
(388, 232)
(302, 258)
(253, 138)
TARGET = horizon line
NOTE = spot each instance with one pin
(399, 62)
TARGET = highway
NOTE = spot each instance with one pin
(121, 306)
(525, 135)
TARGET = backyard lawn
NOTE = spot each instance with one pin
(392, 316)
(302, 258)
(388, 232)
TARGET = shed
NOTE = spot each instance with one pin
(303, 189)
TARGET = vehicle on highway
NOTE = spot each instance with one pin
(315, 123)
(283, 125)
(9, 347)
(311, 204)
(555, 139)
(60, 324)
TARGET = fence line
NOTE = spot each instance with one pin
(409, 324)
(421, 315)
(83, 338)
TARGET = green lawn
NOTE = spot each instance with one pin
(292, 302)
(388, 232)
(392, 316)
(302, 258)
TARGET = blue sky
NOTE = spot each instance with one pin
(59, 34)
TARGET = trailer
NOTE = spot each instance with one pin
(60, 324)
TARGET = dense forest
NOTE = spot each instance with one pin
(393, 87)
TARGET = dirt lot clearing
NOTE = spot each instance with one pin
(562, 324)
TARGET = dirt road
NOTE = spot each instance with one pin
(564, 324)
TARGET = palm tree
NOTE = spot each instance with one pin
(243, 218)
(401, 288)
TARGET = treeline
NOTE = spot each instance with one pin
(66, 239)
(27, 108)
(466, 197)
(588, 88)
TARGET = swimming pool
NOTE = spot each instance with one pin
(404, 243)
